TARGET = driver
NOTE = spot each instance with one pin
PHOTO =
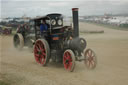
(43, 26)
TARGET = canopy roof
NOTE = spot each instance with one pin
(47, 16)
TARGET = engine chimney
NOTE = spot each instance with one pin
(75, 22)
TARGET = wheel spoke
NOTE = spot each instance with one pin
(89, 53)
(37, 55)
(90, 64)
(68, 56)
(93, 54)
(37, 58)
(65, 57)
(37, 48)
(40, 47)
(43, 50)
(93, 63)
(43, 54)
(70, 59)
(42, 58)
(70, 66)
(66, 65)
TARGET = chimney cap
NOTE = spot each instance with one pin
(75, 9)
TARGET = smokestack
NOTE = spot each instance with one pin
(75, 22)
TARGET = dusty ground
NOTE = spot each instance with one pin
(111, 47)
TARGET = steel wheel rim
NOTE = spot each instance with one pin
(67, 61)
(40, 52)
(90, 59)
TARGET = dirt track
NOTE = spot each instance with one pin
(111, 47)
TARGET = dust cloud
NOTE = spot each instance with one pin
(111, 47)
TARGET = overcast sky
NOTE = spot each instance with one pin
(32, 8)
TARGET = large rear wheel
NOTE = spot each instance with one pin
(18, 41)
(42, 52)
(69, 60)
(90, 59)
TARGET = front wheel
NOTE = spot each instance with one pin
(90, 59)
(69, 60)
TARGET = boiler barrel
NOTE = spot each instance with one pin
(77, 44)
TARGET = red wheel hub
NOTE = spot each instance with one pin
(39, 52)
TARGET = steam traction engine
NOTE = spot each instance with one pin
(25, 36)
(61, 43)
